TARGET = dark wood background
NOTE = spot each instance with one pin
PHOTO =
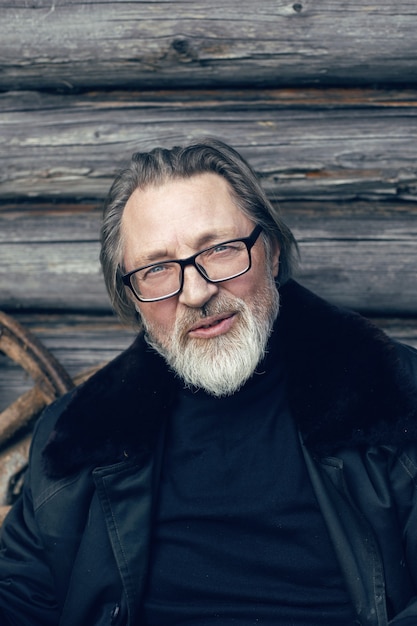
(319, 95)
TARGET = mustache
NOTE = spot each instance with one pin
(221, 305)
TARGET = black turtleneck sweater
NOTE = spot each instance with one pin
(238, 535)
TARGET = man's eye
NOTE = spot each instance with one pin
(154, 271)
(223, 249)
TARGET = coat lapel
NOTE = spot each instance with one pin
(125, 493)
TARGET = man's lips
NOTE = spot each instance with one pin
(212, 326)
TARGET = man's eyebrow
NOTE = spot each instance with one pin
(152, 257)
(205, 241)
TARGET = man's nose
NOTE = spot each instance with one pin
(196, 290)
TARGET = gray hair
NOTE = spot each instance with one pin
(160, 165)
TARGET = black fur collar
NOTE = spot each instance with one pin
(349, 383)
(346, 387)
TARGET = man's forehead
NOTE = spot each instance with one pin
(160, 225)
(182, 197)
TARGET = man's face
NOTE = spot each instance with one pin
(205, 331)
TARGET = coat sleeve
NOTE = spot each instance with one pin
(26, 586)
(27, 594)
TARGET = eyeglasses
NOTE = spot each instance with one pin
(224, 261)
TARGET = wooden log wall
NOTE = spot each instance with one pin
(319, 95)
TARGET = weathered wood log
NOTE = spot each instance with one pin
(359, 254)
(331, 144)
(376, 276)
(71, 45)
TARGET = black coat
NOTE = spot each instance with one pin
(75, 547)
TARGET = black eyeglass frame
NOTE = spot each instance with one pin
(183, 263)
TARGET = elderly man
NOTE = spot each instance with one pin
(251, 459)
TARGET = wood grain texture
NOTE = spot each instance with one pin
(71, 45)
(362, 255)
(328, 144)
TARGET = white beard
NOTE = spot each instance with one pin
(222, 364)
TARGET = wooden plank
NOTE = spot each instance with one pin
(329, 144)
(71, 45)
(83, 341)
(358, 255)
(66, 221)
(362, 255)
(369, 275)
